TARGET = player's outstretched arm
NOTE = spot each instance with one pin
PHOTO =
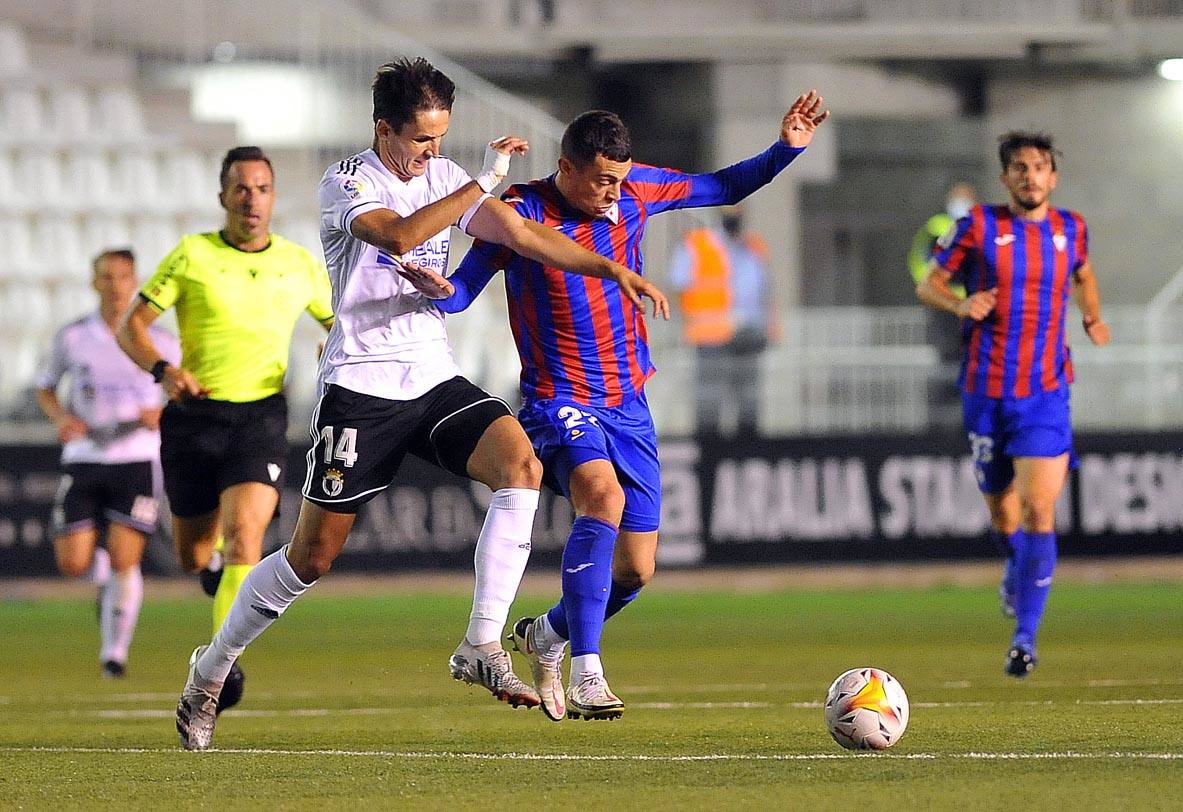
(497, 222)
(397, 234)
(1088, 299)
(802, 120)
(134, 339)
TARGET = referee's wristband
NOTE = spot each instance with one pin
(158, 370)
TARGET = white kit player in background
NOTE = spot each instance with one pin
(389, 384)
(108, 424)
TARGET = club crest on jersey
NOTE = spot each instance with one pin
(332, 482)
(1060, 241)
(352, 187)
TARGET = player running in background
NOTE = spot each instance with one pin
(238, 293)
(585, 360)
(1019, 264)
(109, 426)
(390, 385)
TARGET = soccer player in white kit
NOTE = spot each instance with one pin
(390, 385)
(109, 426)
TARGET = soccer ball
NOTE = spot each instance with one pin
(866, 709)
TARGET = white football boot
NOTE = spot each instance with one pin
(197, 711)
(491, 670)
(545, 666)
(591, 698)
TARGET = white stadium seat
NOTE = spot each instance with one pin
(119, 113)
(39, 176)
(70, 116)
(104, 232)
(153, 237)
(89, 174)
(22, 116)
(137, 179)
(187, 184)
(19, 257)
(14, 52)
(58, 240)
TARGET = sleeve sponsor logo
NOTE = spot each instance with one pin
(352, 187)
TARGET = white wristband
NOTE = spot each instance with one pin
(494, 171)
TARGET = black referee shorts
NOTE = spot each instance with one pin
(208, 445)
(359, 440)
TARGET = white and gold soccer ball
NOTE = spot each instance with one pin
(866, 709)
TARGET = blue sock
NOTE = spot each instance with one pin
(620, 597)
(1034, 564)
(587, 579)
(1010, 546)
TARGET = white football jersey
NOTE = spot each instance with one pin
(107, 391)
(388, 340)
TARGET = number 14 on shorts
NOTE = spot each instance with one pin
(345, 448)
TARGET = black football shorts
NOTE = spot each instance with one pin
(360, 440)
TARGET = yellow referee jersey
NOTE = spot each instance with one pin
(236, 310)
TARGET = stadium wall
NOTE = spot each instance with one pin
(855, 498)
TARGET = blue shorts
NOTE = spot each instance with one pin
(567, 434)
(1001, 429)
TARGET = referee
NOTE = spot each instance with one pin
(238, 293)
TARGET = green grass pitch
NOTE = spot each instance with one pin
(349, 705)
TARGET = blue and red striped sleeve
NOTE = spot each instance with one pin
(957, 249)
(664, 189)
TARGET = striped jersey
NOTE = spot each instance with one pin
(580, 338)
(1021, 348)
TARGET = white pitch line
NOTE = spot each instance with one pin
(638, 757)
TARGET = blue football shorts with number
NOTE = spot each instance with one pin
(1001, 429)
(566, 434)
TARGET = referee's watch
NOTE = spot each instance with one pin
(158, 370)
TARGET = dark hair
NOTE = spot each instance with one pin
(1013, 141)
(596, 132)
(237, 154)
(406, 86)
(116, 253)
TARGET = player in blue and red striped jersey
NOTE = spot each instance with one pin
(1019, 264)
(585, 360)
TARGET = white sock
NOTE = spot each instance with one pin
(265, 595)
(119, 609)
(549, 638)
(100, 567)
(585, 664)
(500, 560)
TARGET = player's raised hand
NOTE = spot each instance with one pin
(978, 305)
(803, 118)
(636, 286)
(426, 281)
(1096, 330)
(496, 165)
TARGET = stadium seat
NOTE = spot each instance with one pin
(90, 176)
(188, 185)
(22, 115)
(14, 52)
(72, 298)
(19, 257)
(39, 174)
(153, 237)
(137, 180)
(69, 113)
(119, 114)
(105, 231)
(58, 240)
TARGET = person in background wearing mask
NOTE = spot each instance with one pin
(944, 398)
(729, 318)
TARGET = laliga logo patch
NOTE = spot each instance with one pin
(332, 482)
(1060, 241)
(352, 187)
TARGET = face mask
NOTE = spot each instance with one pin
(958, 207)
